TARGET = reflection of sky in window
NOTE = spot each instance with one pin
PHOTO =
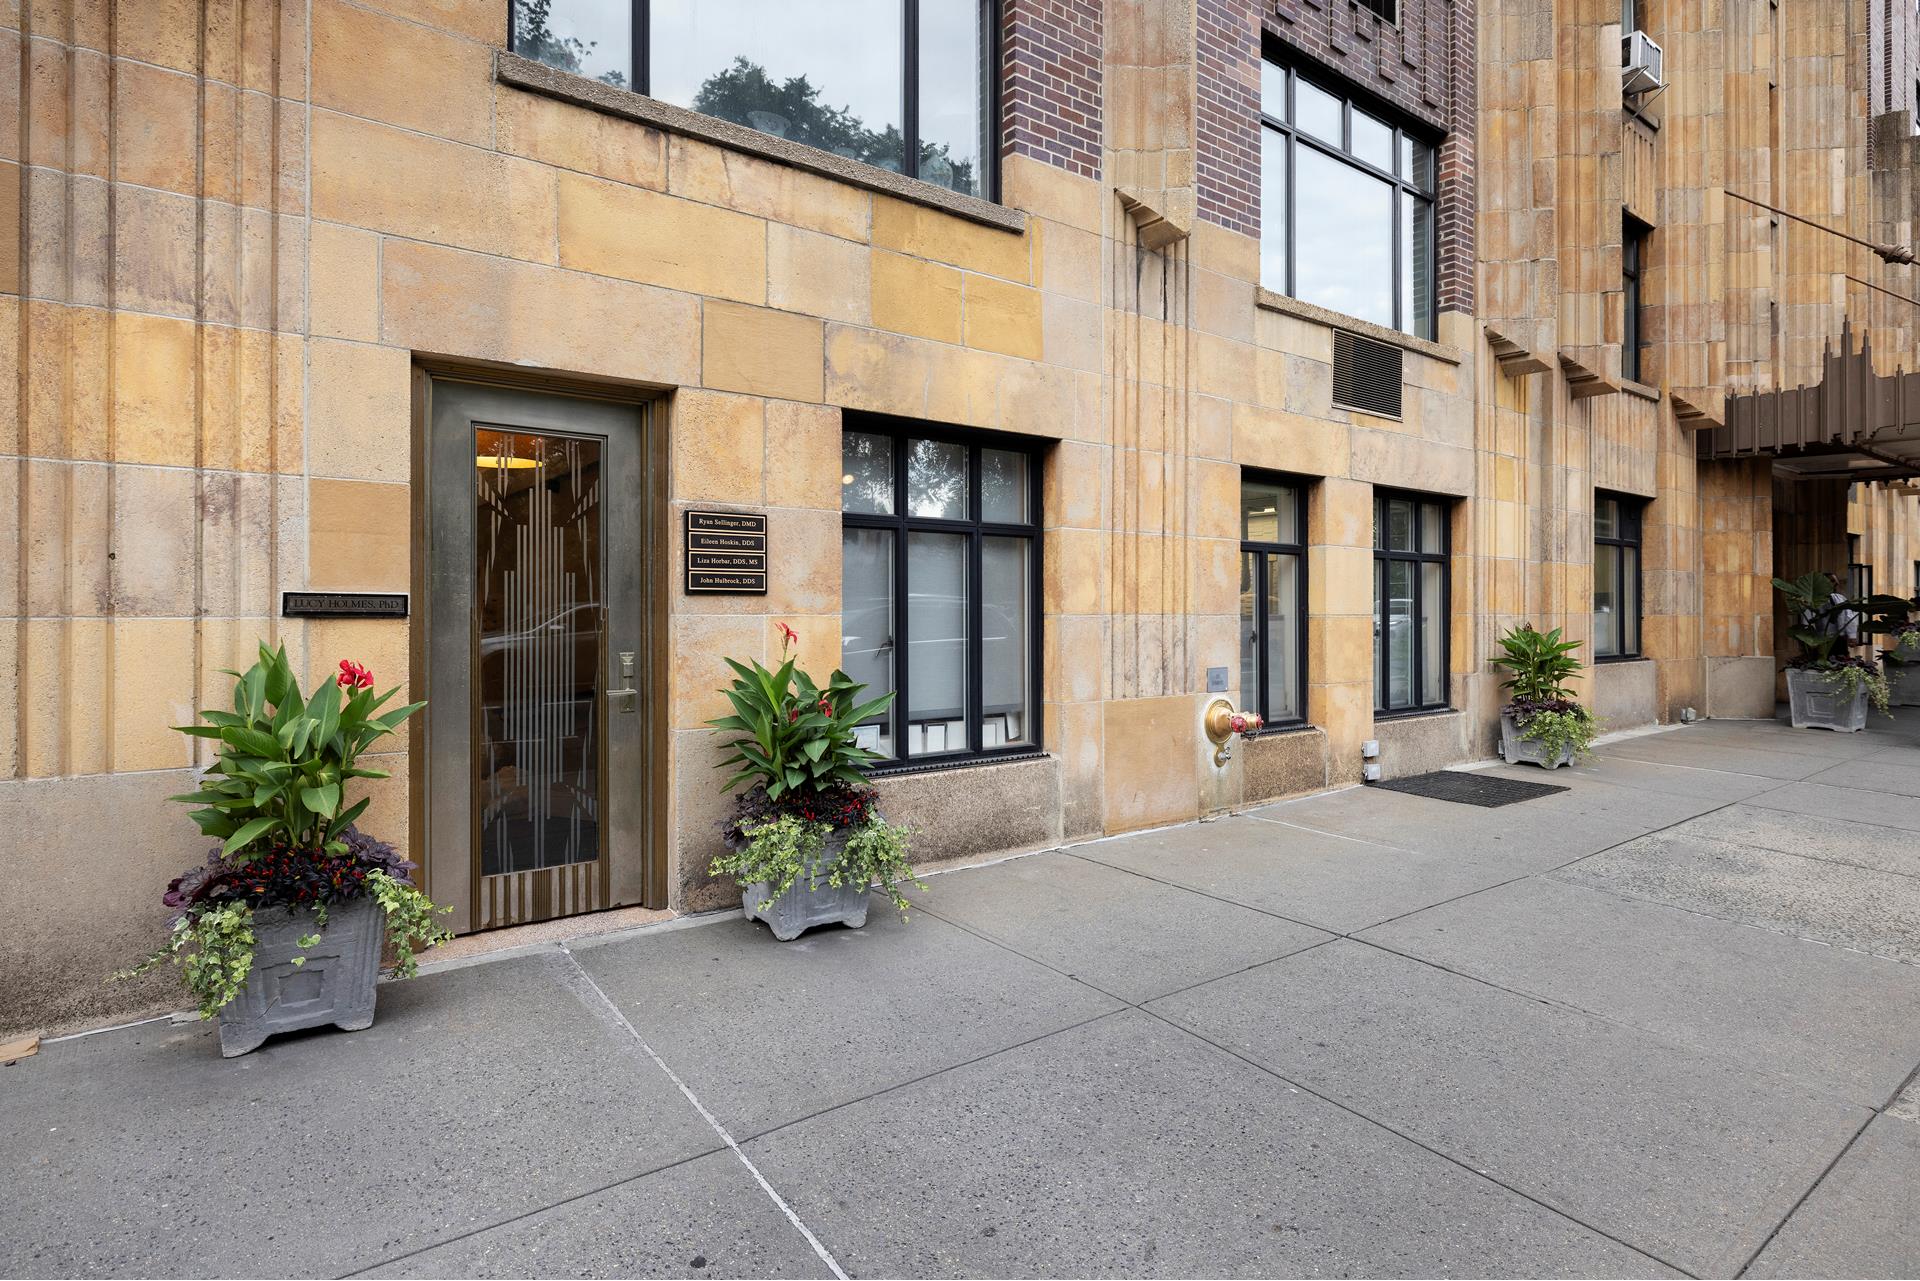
(1343, 238)
(598, 34)
(848, 49)
(950, 89)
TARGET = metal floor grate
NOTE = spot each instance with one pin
(1488, 790)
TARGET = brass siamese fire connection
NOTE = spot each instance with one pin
(1223, 723)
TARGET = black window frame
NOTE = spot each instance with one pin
(1421, 555)
(1388, 11)
(640, 82)
(1259, 549)
(1630, 523)
(1634, 238)
(1405, 188)
(1859, 572)
(901, 524)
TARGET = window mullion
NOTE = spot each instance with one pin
(1257, 697)
(642, 34)
(974, 710)
(901, 671)
(910, 88)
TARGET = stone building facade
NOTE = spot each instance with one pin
(294, 281)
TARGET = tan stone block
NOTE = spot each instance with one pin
(1223, 305)
(156, 519)
(1340, 648)
(404, 73)
(762, 352)
(154, 139)
(381, 645)
(661, 240)
(236, 544)
(1070, 261)
(1282, 441)
(944, 237)
(1075, 572)
(700, 642)
(481, 20)
(1345, 712)
(1229, 253)
(767, 189)
(153, 690)
(882, 372)
(65, 538)
(820, 275)
(1051, 192)
(360, 411)
(591, 142)
(9, 228)
(1003, 317)
(1075, 657)
(1152, 762)
(1028, 398)
(155, 251)
(1340, 512)
(359, 536)
(803, 455)
(1072, 331)
(384, 179)
(806, 547)
(344, 297)
(719, 444)
(441, 300)
(1076, 479)
(153, 390)
(915, 297)
(1339, 580)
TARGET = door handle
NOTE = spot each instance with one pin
(630, 696)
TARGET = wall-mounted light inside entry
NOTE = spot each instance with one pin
(504, 462)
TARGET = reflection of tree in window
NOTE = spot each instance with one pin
(745, 94)
(534, 37)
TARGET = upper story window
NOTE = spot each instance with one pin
(906, 85)
(1273, 600)
(1385, 10)
(1616, 576)
(1859, 573)
(1633, 266)
(940, 588)
(1411, 601)
(1346, 205)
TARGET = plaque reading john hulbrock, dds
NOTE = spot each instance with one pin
(726, 553)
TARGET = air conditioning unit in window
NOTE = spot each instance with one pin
(1642, 64)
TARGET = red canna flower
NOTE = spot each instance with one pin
(788, 637)
(826, 708)
(354, 676)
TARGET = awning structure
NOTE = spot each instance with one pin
(1854, 425)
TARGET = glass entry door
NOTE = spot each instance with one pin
(537, 663)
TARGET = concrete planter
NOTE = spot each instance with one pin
(335, 984)
(1901, 666)
(1516, 750)
(804, 906)
(1816, 700)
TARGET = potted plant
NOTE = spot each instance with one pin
(1900, 661)
(1828, 687)
(1542, 723)
(281, 927)
(804, 842)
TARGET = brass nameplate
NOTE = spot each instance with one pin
(726, 553)
(343, 604)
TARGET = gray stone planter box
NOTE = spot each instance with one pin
(335, 984)
(1516, 750)
(1901, 667)
(802, 907)
(1815, 700)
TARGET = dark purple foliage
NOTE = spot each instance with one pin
(838, 805)
(1523, 710)
(283, 876)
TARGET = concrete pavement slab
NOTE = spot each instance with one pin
(1835, 840)
(1704, 751)
(1645, 776)
(1680, 1154)
(1896, 770)
(766, 1032)
(1852, 803)
(1838, 1021)
(1127, 1148)
(704, 1218)
(1126, 935)
(1854, 907)
(478, 1095)
(1861, 1221)
(1778, 736)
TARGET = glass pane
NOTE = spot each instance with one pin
(1605, 517)
(1273, 90)
(1416, 266)
(1399, 641)
(1249, 631)
(866, 625)
(587, 37)
(537, 603)
(1003, 487)
(1433, 634)
(803, 72)
(1416, 163)
(1372, 140)
(1399, 525)
(954, 129)
(1343, 238)
(936, 480)
(1006, 651)
(936, 643)
(1273, 210)
(1606, 601)
(1630, 600)
(1317, 111)
(866, 473)
(1283, 638)
(1433, 528)
(1269, 513)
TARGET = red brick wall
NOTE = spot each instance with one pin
(1227, 166)
(1050, 52)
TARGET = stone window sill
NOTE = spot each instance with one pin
(1415, 714)
(1642, 390)
(908, 769)
(537, 77)
(1263, 297)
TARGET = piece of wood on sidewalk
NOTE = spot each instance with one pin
(12, 1051)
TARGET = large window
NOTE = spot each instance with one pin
(1633, 265)
(1410, 599)
(1616, 576)
(1346, 205)
(906, 85)
(940, 589)
(1273, 600)
(1859, 573)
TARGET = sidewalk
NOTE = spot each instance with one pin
(1661, 1022)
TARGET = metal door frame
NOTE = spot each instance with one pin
(632, 775)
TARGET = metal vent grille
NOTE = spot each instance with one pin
(1366, 375)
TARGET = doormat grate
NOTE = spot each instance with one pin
(1488, 790)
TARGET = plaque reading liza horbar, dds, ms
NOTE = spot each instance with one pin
(726, 553)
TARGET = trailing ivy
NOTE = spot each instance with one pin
(779, 851)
